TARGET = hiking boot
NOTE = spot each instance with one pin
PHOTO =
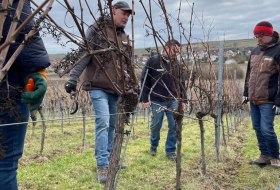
(261, 161)
(171, 156)
(153, 151)
(275, 163)
(102, 175)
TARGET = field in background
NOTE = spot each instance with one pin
(66, 164)
(213, 45)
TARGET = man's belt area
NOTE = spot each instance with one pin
(258, 102)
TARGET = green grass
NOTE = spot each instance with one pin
(65, 165)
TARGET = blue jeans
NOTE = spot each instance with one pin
(157, 120)
(105, 109)
(262, 119)
(12, 140)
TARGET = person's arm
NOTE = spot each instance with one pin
(277, 98)
(32, 61)
(245, 93)
(76, 72)
(74, 75)
(247, 77)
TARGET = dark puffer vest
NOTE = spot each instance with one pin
(32, 58)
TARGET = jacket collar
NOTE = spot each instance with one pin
(107, 21)
(272, 43)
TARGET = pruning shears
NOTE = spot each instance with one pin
(75, 104)
(161, 108)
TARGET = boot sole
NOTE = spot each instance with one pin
(258, 164)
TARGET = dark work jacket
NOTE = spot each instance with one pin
(32, 58)
(104, 71)
(262, 76)
(160, 79)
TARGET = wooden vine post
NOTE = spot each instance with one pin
(116, 150)
(178, 116)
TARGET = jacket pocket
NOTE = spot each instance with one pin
(268, 65)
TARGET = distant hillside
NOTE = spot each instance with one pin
(213, 45)
(56, 57)
(243, 43)
(231, 43)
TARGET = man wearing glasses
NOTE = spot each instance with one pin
(261, 90)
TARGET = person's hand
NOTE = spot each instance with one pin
(70, 86)
(245, 100)
(146, 105)
(277, 109)
(34, 96)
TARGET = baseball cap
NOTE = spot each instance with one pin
(123, 6)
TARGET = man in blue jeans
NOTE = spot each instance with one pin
(15, 102)
(262, 90)
(106, 76)
(160, 93)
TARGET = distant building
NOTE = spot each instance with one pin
(230, 61)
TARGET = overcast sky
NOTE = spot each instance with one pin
(227, 20)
